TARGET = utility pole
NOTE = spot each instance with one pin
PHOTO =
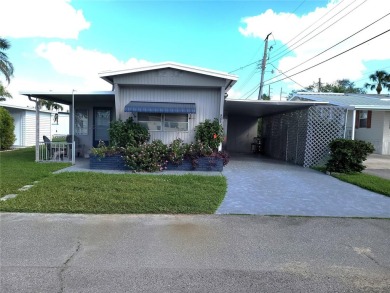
(281, 92)
(263, 67)
(269, 91)
(319, 85)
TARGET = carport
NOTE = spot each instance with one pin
(293, 131)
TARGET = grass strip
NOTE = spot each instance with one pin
(366, 181)
(18, 168)
(121, 194)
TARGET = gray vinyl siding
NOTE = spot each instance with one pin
(207, 101)
(386, 134)
(378, 134)
(373, 134)
(169, 77)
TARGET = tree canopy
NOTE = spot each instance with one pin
(380, 79)
(339, 86)
(6, 68)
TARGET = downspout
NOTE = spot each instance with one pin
(345, 123)
(36, 127)
(73, 143)
(353, 124)
(221, 107)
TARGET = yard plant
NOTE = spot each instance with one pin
(7, 136)
(348, 155)
(129, 140)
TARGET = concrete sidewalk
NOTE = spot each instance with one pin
(378, 165)
(262, 186)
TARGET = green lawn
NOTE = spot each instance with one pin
(366, 181)
(17, 168)
(105, 193)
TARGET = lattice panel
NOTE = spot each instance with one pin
(325, 123)
(302, 137)
(285, 136)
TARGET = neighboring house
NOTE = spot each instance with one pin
(368, 116)
(24, 121)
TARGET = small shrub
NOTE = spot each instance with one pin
(127, 133)
(102, 150)
(147, 157)
(7, 127)
(347, 156)
(209, 133)
(176, 151)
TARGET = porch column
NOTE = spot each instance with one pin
(36, 127)
(37, 130)
(353, 124)
(73, 143)
(222, 102)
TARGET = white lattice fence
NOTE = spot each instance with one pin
(325, 123)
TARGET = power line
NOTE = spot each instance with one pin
(285, 45)
(242, 67)
(359, 31)
(289, 50)
(330, 57)
(284, 73)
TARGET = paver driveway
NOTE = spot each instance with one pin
(263, 186)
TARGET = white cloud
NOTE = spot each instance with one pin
(41, 18)
(84, 64)
(350, 65)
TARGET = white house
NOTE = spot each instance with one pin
(367, 116)
(24, 121)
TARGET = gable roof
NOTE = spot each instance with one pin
(231, 79)
(352, 101)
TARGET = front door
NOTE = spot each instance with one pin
(101, 122)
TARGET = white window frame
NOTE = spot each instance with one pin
(163, 122)
(363, 116)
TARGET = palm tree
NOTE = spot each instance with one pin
(50, 105)
(4, 93)
(6, 66)
(380, 79)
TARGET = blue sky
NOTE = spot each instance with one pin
(63, 44)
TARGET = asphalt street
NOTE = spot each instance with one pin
(202, 253)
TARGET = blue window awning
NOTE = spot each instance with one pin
(154, 107)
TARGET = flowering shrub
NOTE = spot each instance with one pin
(209, 133)
(176, 151)
(147, 157)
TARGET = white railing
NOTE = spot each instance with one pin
(57, 152)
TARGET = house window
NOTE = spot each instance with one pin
(164, 122)
(363, 119)
(152, 121)
(175, 122)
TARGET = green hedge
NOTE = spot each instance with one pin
(7, 127)
(347, 155)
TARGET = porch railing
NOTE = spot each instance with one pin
(57, 152)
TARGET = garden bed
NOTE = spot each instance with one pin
(116, 162)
